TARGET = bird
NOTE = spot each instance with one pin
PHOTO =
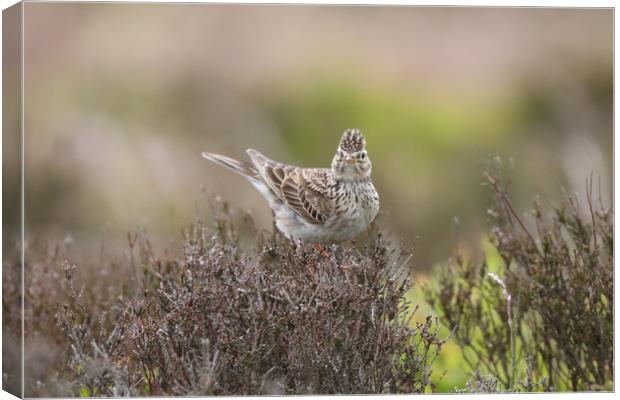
(315, 205)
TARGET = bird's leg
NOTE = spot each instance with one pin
(323, 252)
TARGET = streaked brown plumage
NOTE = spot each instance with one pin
(321, 205)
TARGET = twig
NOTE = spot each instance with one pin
(589, 196)
(506, 200)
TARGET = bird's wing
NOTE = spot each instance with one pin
(303, 190)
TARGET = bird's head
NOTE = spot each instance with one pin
(351, 161)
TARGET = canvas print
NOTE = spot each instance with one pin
(246, 199)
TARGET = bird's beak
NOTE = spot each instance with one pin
(351, 161)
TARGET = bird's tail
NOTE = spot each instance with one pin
(241, 167)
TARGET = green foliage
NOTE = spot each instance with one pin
(418, 123)
(542, 317)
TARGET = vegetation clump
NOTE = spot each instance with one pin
(274, 317)
(244, 312)
(540, 317)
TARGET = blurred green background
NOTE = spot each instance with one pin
(122, 98)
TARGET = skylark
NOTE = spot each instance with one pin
(318, 205)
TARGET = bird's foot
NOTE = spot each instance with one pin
(323, 252)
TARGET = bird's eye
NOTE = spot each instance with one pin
(363, 155)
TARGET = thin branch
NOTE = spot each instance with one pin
(500, 191)
(589, 196)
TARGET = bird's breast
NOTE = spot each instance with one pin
(356, 204)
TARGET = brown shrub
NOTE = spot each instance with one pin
(544, 321)
(271, 318)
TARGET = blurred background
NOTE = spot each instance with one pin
(122, 98)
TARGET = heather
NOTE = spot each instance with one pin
(246, 311)
(536, 313)
(273, 317)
